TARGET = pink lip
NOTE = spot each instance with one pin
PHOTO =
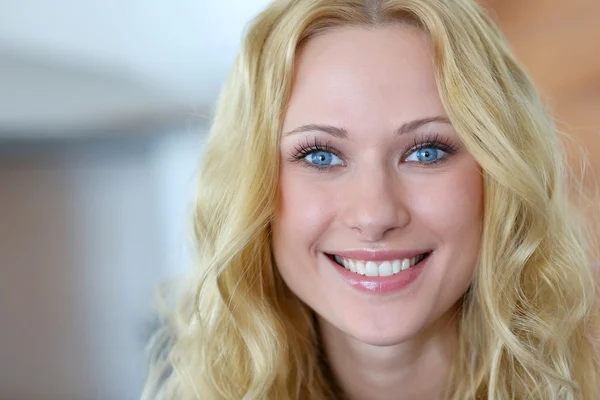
(381, 284)
(378, 255)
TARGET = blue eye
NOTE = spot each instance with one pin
(426, 155)
(323, 158)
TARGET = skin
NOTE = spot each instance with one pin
(377, 195)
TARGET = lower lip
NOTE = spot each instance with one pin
(381, 284)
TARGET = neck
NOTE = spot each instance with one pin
(415, 369)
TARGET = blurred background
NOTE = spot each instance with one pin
(104, 106)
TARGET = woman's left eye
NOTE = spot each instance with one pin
(321, 158)
(426, 155)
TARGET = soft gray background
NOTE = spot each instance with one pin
(104, 105)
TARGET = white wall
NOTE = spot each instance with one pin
(87, 232)
(88, 227)
(175, 158)
(184, 46)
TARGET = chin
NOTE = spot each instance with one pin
(387, 337)
(382, 340)
(377, 331)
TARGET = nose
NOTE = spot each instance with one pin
(375, 205)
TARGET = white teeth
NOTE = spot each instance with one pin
(384, 268)
(352, 266)
(405, 264)
(360, 267)
(371, 269)
(396, 266)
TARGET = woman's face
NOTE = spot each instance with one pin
(379, 221)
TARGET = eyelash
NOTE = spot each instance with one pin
(305, 148)
(425, 141)
(433, 140)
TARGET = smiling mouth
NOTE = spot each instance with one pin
(378, 268)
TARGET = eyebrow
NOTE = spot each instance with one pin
(342, 133)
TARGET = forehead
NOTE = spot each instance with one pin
(355, 75)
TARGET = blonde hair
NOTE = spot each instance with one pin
(527, 322)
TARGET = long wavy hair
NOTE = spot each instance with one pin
(528, 322)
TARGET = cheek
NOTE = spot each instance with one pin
(305, 205)
(451, 210)
(452, 205)
(304, 212)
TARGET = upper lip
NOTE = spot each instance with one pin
(378, 255)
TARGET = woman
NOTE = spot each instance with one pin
(381, 214)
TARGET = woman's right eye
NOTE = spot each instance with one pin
(321, 158)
